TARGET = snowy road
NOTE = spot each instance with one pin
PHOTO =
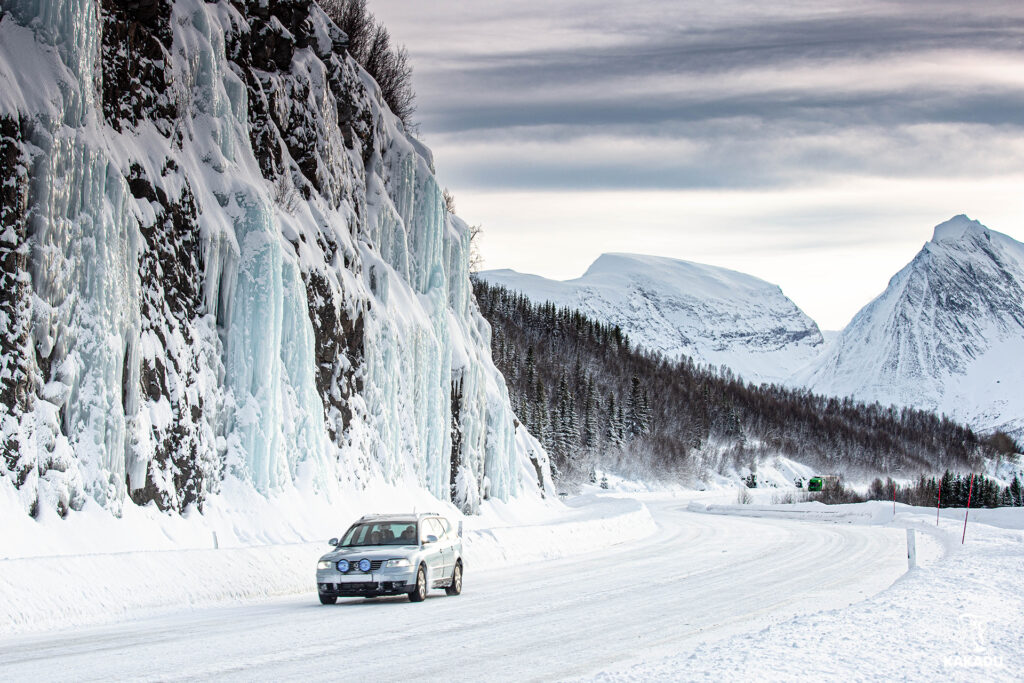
(699, 578)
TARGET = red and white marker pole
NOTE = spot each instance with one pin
(969, 490)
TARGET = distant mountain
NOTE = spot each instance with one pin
(712, 315)
(946, 335)
(598, 405)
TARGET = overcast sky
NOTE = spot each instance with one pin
(813, 144)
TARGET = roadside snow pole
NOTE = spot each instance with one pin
(216, 546)
(968, 511)
(894, 499)
(938, 504)
(911, 549)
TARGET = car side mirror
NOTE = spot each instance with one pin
(333, 541)
(430, 539)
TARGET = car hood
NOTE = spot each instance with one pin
(370, 552)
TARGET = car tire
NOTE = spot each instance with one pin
(328, 599)
(419, 591)
(456, 586)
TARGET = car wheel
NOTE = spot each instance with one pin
(328, 599)
(419, 593)
(456, 587)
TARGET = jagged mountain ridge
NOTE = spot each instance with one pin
(946, 335)
(712, 315)
(223, 257)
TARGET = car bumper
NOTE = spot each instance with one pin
(366, 589)
(333, 583)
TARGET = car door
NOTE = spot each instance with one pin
(447, 552)
(433, 554)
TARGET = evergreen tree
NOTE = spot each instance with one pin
(947, 490)
(566, 431)
(588, 436)
(541, 421)
(635, 409)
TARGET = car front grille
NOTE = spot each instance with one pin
(353, 566)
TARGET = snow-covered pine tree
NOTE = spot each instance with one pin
(634, 409)
(541, 417)
(530, 368)
(1015, 492)
(566, 431)
(588, 436)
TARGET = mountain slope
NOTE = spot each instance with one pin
(713, 315)
(599, 404)
(946, 335)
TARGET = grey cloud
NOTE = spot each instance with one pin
(741, 46)
(804, 108)
(554, 88)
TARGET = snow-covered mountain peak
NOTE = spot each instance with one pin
(678, 308)
(696, 279)
(946, 335)
(956, 228)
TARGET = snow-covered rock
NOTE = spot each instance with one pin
(713, 315)
(946, 335)
(223, 257)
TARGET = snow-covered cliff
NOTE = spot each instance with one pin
(946, 335)
(713, 315)
(223, 258)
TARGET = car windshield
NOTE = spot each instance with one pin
(380, 533)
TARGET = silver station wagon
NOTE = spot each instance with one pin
(391, 555)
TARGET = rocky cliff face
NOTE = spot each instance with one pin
(222, 256)
(946, 335)
(713, 315)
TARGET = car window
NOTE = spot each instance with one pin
(439, 528)
(380, 533)
(445, 525)
(429, 528)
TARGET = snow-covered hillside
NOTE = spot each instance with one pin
(223, 258)
(714, 315)
(946, 335)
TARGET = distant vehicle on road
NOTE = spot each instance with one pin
(391, 555)
(819, 482)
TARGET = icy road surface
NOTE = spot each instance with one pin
(699, 578)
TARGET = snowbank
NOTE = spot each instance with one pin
(59, 591)
(955, 619)
(582, 531)
(871, 512)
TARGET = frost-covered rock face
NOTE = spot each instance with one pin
(223, 257)
(946, 335)
(713, 315)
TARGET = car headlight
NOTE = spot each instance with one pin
(342, 566)
(325, 564)
(402, 562)
(364, 565)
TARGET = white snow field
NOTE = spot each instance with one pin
(719, 596)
